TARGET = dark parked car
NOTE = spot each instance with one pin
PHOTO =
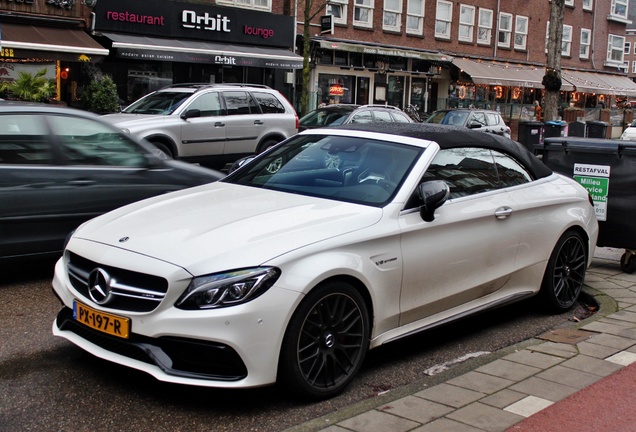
(341, 114)
(478, 119)
(60, 167)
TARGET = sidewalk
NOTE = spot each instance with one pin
(572, 379)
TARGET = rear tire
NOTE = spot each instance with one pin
(565, 273)
(325, 343)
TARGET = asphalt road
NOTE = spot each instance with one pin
(47, 384)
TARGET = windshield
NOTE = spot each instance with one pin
(164, 103)
(449, 117)
(342, 168)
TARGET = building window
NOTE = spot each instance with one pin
(569, 3)
(628, 47)
(634, 67)
(505, 30)
(338, 9)
(586, 39)
(484, 30)
(566, 43)
(392, 19)
(466, 23)
(619, 8)
(521, 32)
(443, 17)
(615, 50)
(588, 4)
(363, 13)
(265, 5)
(415, 16)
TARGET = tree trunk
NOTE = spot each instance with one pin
(553, 61)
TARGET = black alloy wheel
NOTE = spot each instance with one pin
(326, 341)
(565, 273)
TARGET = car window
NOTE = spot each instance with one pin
(467, 171)
(269, 103)
(492, 119)
(399, 117)
(208, 103)
(457, 118)
(511, 173)
(24, 140)
(163, 102)
(88, 142)
(383, 116)
(362, 117)
(239, 103)
(479, 117)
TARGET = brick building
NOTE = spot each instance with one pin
(439, 53)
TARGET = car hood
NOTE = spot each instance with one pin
(130, 120)
(222, 226)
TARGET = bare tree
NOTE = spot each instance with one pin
(552, 77)
(311, 9)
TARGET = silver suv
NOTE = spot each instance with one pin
(479, 119)
(210, 123)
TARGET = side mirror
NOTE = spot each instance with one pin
(433, 194)
(190, 114)
(474, 125)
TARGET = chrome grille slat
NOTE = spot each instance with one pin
(131, 291)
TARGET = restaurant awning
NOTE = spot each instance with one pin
(592, 82)
(30, 41)
(383, 50)
(504, 74)
(190, 51)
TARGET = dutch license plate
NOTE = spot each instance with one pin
(104, 322)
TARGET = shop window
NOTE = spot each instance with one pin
(325, 57)
(395, 93)
(443, 19)
(355, 59)
(392, 18)
(415, 17)
(341, 58)
(521, 32)
(584, 46)
(334, 89)
(466, 23)
(363, 13)
(484, 30)
(505, 30)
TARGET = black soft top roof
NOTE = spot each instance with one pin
(456, 136)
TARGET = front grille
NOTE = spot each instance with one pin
(182, 357)
(131, 291)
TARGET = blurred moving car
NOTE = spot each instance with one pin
(478, 119)
(210, 123)
(341, 114)
(60, 167)
(630, 132)
(364, 234)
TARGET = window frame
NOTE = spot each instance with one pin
(566, 42)
(248, 4)
(609, 60)
(363, 5)
(614, 5)
(342, 5)
(469, 25)
(488, 28)
(413, 15)
(447, 21)
(507, 32)
(396, 13)
(524, 34)
(587, 5)
(584, 48)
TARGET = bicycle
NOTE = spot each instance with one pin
(414, 113)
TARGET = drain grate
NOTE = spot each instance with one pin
(568, 336)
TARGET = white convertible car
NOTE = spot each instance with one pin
(333, 242)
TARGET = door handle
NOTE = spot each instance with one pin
(219, 124)
(503, 212)
(258, 122)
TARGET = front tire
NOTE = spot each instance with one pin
(565, 273)
(326, 342)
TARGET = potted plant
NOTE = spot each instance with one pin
(101, 95)
(32, 88)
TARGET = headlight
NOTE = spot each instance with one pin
(227, 289)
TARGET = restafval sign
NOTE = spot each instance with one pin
(194, 21)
